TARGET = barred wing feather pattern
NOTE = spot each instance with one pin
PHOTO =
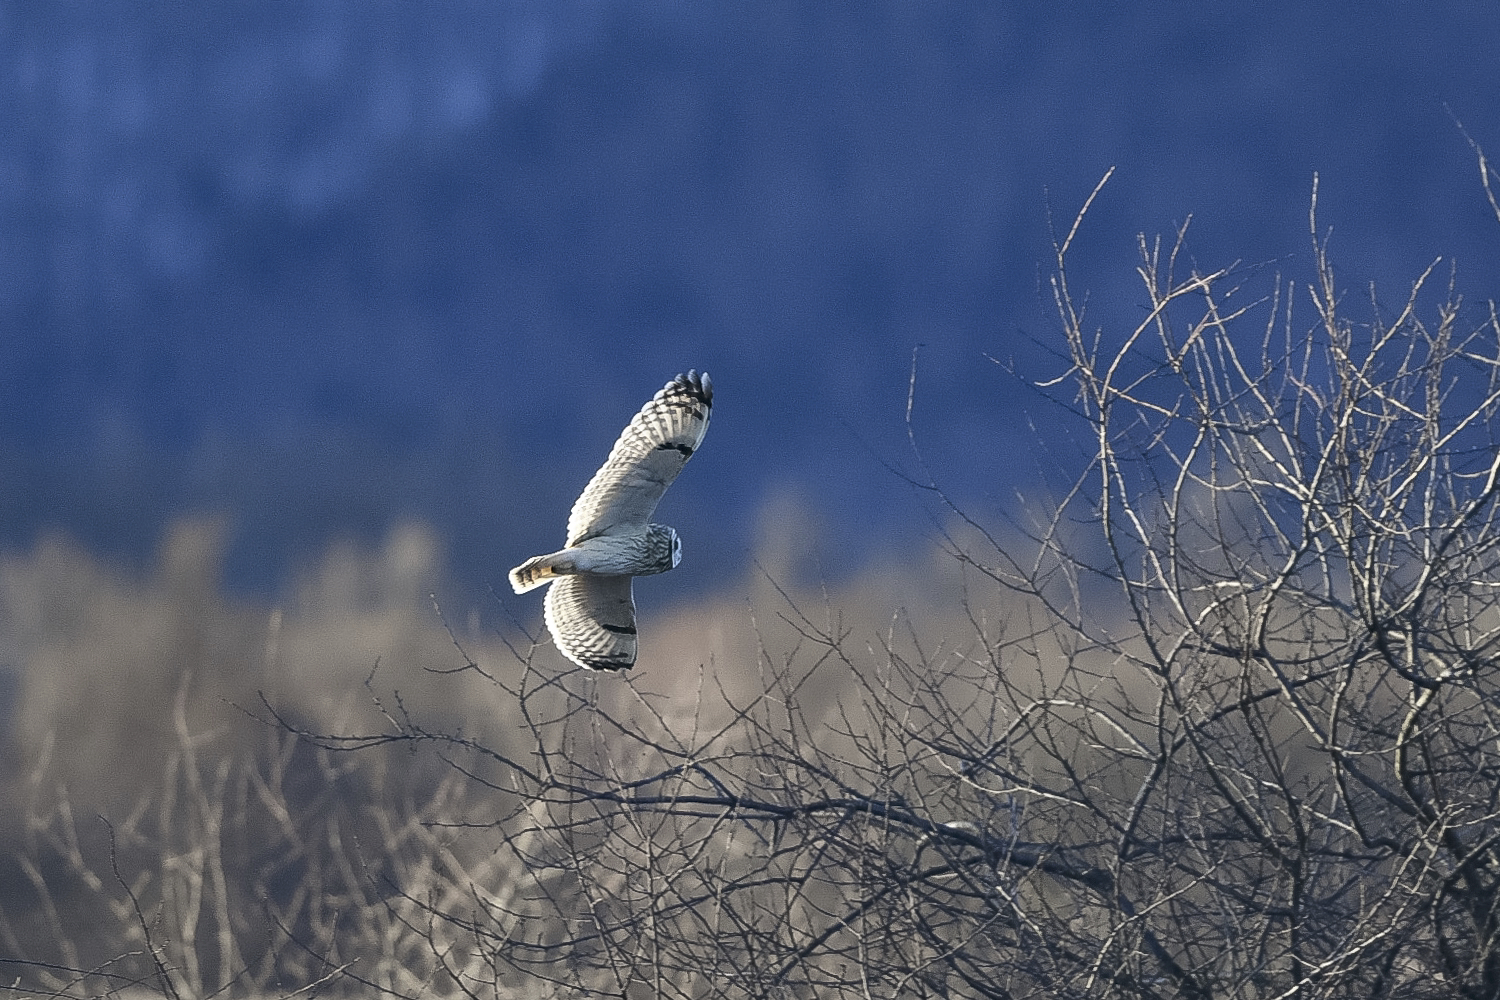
(649, 454)
(592, 620)
(590, 606)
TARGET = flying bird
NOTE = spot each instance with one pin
(590, 608)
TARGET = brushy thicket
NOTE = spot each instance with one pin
(1216, 716)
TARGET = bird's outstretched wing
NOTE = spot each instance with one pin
(649, 454)
(592, 620)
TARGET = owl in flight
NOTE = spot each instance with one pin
(590, 610)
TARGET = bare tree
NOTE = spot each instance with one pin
(1301, 531)
(1220, 720)
(1219, 717)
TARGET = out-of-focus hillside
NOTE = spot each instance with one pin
(326, 268)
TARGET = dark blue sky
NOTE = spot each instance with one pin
(324, 265)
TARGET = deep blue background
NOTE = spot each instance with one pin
(324, 265)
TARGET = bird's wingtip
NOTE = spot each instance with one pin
(695, 382)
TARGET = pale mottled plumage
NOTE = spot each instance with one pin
(590, 610)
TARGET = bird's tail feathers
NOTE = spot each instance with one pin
(539, 570)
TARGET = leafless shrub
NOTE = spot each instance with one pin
(1234, 733)
(240, 873)
(159, 838)
(1216, 719)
